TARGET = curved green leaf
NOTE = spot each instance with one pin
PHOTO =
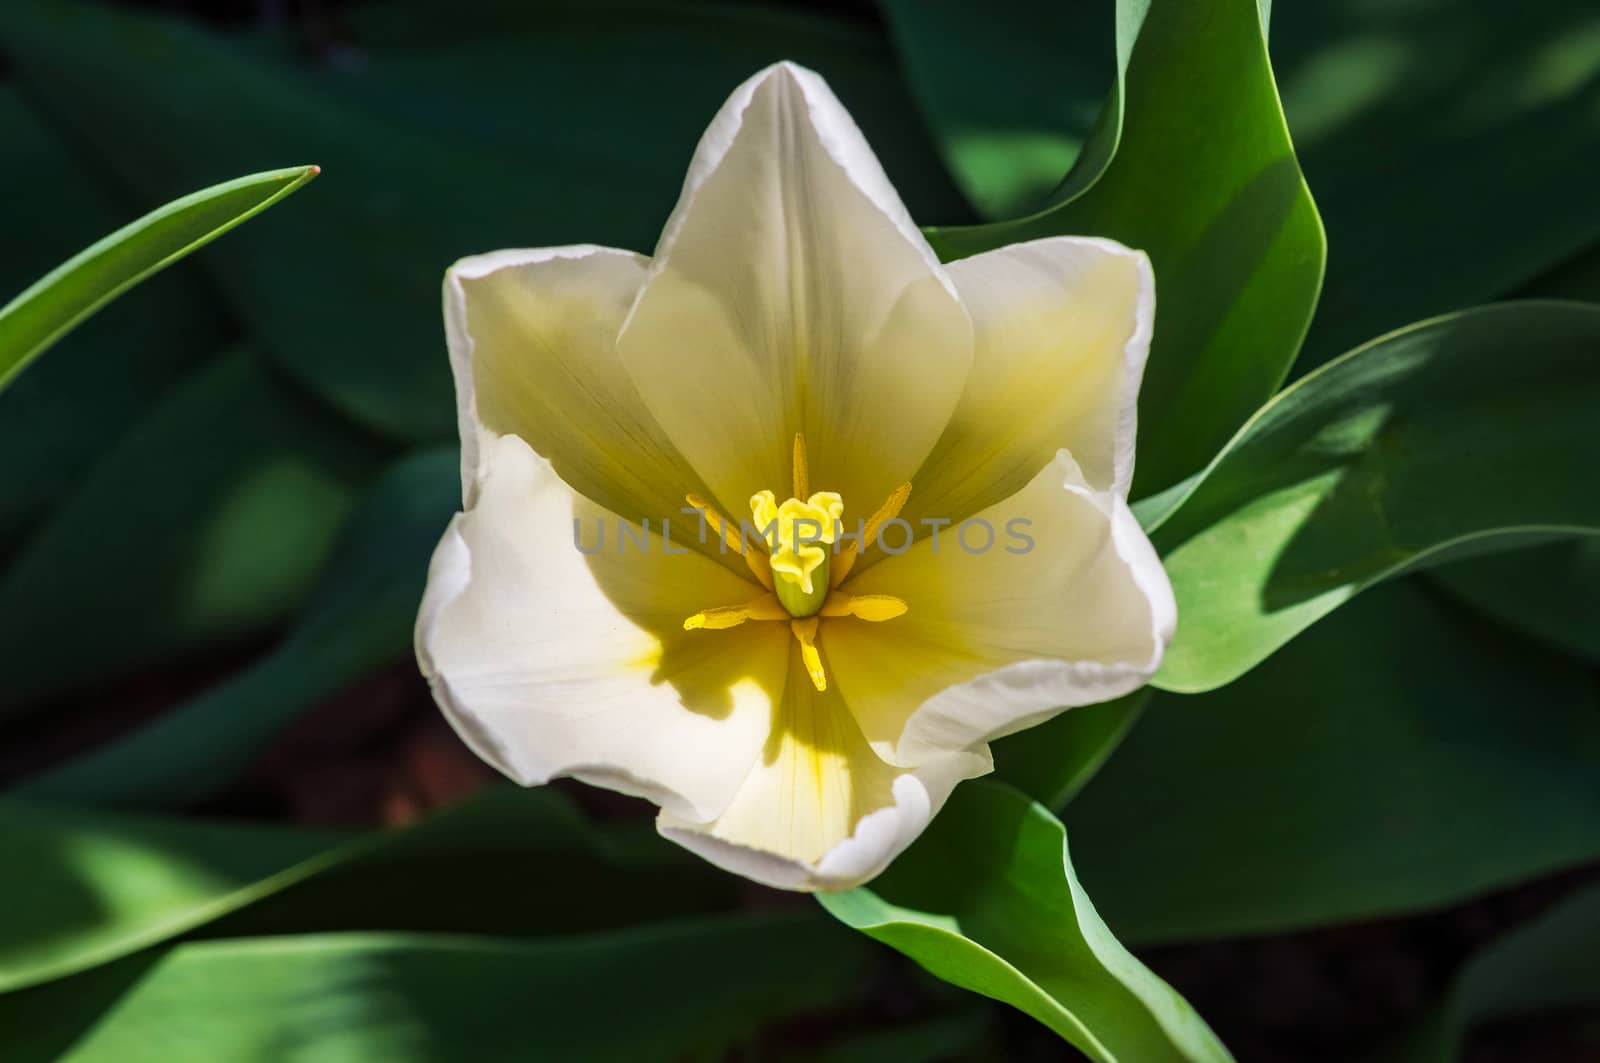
(86, 887)
(1053, 761)
(78, 287)
(1547, 964)
(1471, 430)
(987, 899)
(1575, 278)
(536, 126)
(1403, 198)
(422, 998)
(209, 520)
(1205, 180)
(67, 409)
(1452, 148)
(1548, 592)
(1400, 756)
(360, 617)
(1015, 91)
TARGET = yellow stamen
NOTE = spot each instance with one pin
(875, 608)
(802, 472)
(806, 631)
(846, 558)
(735, 540)
(765, 607)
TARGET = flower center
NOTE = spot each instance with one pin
(795, 554)
(800, 537)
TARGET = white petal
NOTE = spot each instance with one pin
(533, 346)
(820, 810)
(1062, 329)
(995, 641)
(551, 662)
(791, 292)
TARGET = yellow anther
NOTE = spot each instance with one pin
(734, 539)
(802, 472)
(875, 608)
(765, 607)
(846, 558)
(805, 630)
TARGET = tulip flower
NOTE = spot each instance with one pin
(778, 528)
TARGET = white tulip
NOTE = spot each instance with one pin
(799, 710)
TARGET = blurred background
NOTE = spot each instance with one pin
(232, 478)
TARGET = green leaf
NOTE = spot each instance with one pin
(360, 616)
(689, 990)
(84, 887)
(1015, 89)
(1401, 756)
(1053, 761)
(1473, 430)
(987, 899)
(1204, 180)
(1547, 592)
(1576, 278)
(454, 68)
(68, 408)
(540, 127)
(209, 520)
(1547, 964)
(78, 287)
(1403, 197)
(1451, 147)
